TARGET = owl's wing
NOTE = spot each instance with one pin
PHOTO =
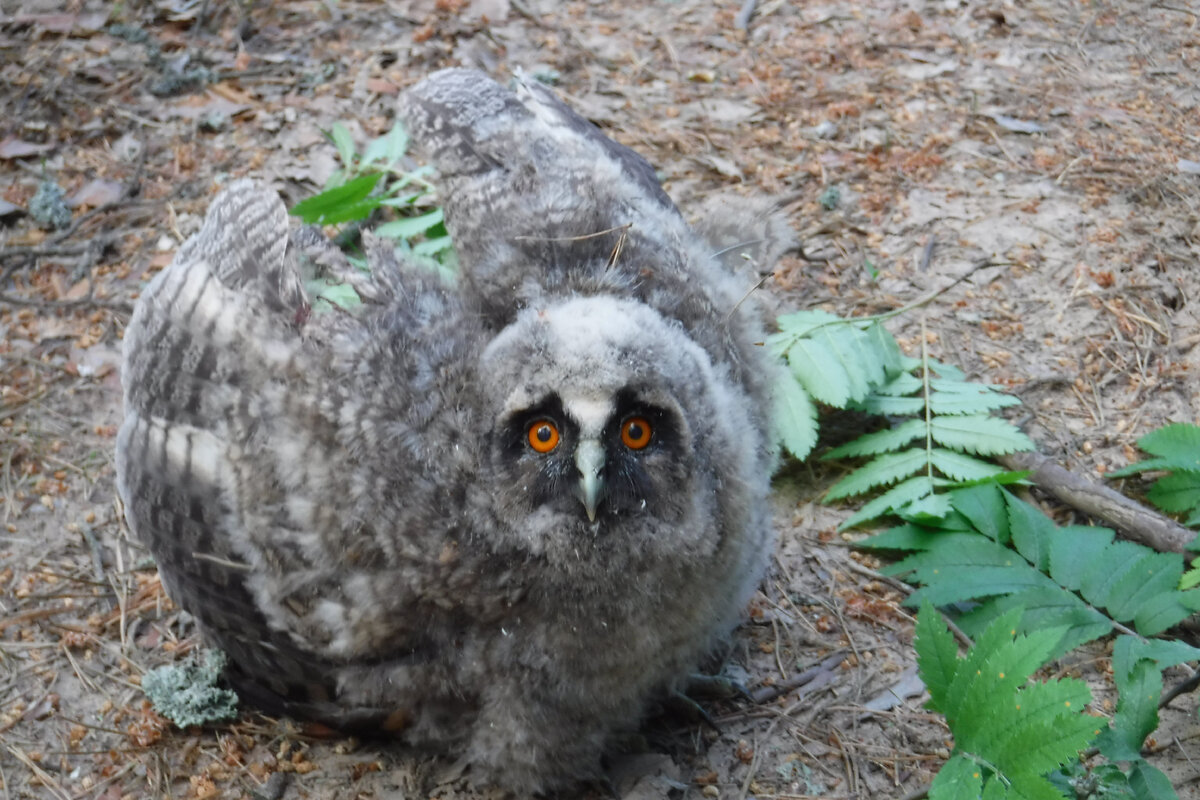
(270, 455)
(536, 197)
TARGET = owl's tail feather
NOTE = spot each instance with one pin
(244, 240)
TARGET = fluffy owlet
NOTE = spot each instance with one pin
(494, 517)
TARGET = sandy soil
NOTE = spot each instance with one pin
(1046, 150)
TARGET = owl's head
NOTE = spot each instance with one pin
(605, 420)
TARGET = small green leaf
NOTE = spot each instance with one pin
(348, 201)
(880, 471)
(819, 372)
(960, 466)
(1149, 783)
(794, 416)
(387, 149)
(409, 227)
(943, 402)
(871, 444)
(1177, 492)
(1137, 713)
(980, 434)
(904, 492)
(343, 141)
(1179, 442)
(902, 537)
(958, 779)
(984, 506)
(937, 654)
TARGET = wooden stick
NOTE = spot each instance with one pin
(1136, 521)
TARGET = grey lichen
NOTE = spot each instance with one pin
(49, 205)
(187, 694)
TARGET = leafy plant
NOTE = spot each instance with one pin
(370, 181)
(1002, 559)
(1008, 733)
(1176, 450)
(187, 693)
(942, 422)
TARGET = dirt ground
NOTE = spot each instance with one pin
(1046, 152)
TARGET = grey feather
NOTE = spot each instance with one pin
(352, 505)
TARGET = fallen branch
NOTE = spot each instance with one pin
(1138, 522)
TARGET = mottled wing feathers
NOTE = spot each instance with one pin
(294, 473)
(537, 199)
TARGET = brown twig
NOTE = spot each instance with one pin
(1136, 521)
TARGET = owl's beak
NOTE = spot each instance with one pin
(589, 459)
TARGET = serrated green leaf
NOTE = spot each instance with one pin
(1177, 492)
(994, 570)
(928, 510)
(937, 655)
(958, 779)
(879, 442)
(1153, 575)
(886, 406)
(980, 434)
(802, 323)
(861, 369)
(1049, 735)
(1024, 786)
(970, 678)
(1179, 442)
(902, 537)
(903, 384)
(903, 492)
(1137, 713)
(984, 506)
(1147, 782)
(409, 227)
(884, 344)
(401, 200)
(993, 706)
(1045, 607)
(879, 471)
(349, 201)
(961, 467)
(969, 402)
(1128, 650)
(1032, 531)
(1191, 578)
(819, 372)
(794, 416)
(1073, 551)
(1104, 574)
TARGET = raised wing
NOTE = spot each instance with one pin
(284, 467)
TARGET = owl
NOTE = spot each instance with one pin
(493, 517)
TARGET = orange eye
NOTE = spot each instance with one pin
(635, 433)
(543, 436)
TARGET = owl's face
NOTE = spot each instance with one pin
(603, 418)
